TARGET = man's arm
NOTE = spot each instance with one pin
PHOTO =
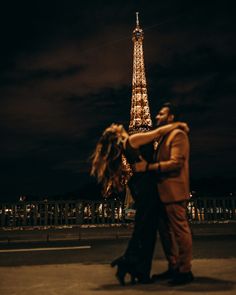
(178, 152)
(139, 139)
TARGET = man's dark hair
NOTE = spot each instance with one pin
(173, 109)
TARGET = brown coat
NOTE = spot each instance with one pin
(173, 156)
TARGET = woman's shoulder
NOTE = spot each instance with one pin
(128, 146)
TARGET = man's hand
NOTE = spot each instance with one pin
(140, 166)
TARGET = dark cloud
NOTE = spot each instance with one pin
(23, 77)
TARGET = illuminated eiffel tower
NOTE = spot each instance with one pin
(140, 118)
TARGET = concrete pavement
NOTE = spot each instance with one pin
(87, 271)
(212, 276)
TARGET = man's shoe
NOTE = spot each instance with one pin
(182, 278)
(167, 275)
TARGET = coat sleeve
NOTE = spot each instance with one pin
(179, 146)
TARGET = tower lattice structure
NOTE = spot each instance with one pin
(140, 118)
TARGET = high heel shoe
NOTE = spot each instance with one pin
(124, 268)
(118, 261)
(120, 275)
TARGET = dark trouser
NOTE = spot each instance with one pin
(175, 235)
(142, 243)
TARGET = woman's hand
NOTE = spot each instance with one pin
(183, 126)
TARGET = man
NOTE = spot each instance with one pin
(172, 169)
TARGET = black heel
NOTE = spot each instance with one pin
(120, 262)
(117, 261)
(120, 275)
(124, 267)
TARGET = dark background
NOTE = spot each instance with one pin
(66, 72)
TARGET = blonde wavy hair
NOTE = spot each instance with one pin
(109, 164)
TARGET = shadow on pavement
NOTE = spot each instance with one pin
(203, 284)
(200, 284)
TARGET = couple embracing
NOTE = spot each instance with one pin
(159, 184)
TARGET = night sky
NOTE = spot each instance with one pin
(66, 72)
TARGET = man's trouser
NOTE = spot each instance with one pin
(175, 235)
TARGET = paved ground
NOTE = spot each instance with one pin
(62, 269)
(103, 251)
(215, 276)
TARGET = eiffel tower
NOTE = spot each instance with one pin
(140, 118)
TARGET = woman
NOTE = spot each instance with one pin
(112, 162)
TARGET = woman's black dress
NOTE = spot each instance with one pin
(143, 187)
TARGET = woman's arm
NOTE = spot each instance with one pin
(139, 139)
